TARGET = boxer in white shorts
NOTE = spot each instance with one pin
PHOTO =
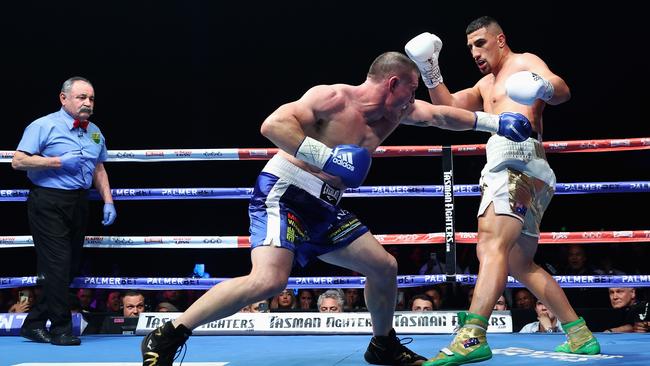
(517, 184)
(517, 181)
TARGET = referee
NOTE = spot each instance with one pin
(63, 154)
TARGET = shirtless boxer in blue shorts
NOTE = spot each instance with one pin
(517, 184)
(326, 139)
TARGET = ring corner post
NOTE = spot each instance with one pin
(448, 203)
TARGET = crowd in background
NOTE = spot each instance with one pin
(569, 260)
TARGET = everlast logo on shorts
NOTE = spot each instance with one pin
(344, 160)
(330, 194)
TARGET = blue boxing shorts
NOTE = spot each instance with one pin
(293, 209)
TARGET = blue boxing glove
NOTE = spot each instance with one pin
(109, 214)
(351, 163)
(513, 126)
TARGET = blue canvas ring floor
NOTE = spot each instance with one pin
(320, 350)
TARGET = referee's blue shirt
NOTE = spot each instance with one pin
(53, 135)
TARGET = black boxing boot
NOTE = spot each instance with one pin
(159, 347)
(389, 350)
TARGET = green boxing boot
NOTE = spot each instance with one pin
(580, 340)
(469, 345)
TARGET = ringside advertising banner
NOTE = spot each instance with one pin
(10, 323)
(324, 323)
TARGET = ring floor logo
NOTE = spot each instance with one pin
(531, 353)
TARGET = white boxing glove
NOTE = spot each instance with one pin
(524, 87)
(424, 50)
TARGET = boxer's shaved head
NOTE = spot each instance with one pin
(486, 22)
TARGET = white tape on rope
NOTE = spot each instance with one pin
(227, 242)
(637, 143)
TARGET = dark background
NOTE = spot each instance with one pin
(205, 74)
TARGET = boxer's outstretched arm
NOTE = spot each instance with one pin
(514, 126)
(425, 114)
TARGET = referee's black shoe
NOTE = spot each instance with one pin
(65, 340)
(40, 335)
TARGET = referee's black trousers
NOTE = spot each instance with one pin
(57, 220)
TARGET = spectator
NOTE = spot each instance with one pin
(501, 304)
(433, 265)
(421, 302)
(577, 263)
(606, 266)
(435, 294)
(285, 300)
(165, 307)
(86, 299)
(330, 301)
(175, 297)
(245, 309)
(353, 300)
(306, 299)
(546, 321)
(24, 301)
(113, 302)
(524, 299)
(623, 299)
(132, 304)
(436, 265)
(261, 306)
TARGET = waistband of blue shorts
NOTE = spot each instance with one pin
(285, 170)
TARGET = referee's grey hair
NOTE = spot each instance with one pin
(67, 85)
